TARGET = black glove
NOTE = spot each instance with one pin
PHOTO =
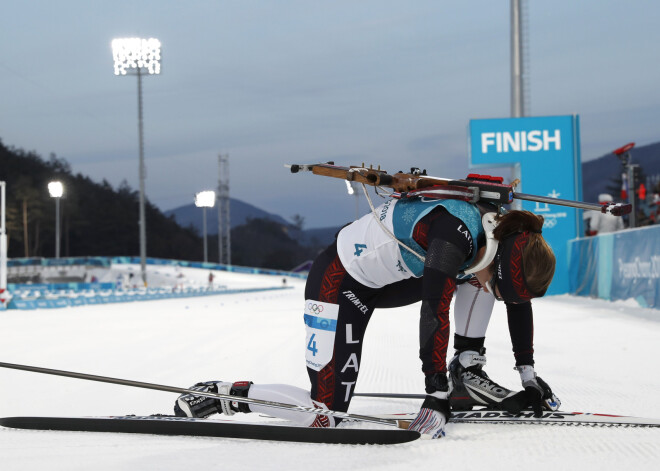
(537, 392)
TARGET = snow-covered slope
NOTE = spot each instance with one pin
(597, 356)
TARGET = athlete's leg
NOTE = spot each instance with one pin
(401, 293)
(472, 309)
(337, 311)
(471, 385)
(287, 394)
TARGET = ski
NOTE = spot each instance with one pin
(162, 387)
(169, 425)
(490, 416)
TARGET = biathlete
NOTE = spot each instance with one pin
(405, 251)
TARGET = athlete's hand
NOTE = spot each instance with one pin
(537, 392)
(432, 417)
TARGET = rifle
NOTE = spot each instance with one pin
(472, 189)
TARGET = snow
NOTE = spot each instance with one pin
(597, 356)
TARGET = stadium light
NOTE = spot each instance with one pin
(205, 199)
(56, 190)
(353, 188)
(137, 56)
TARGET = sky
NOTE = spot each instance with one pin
(269, 83)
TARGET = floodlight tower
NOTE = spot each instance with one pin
(205, 199)
(519, 82)
(224, 223)
(137, 56)
(519, 85)
(56, 190)
(3, 240)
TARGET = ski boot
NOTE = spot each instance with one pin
(471, 385)
(192, 405)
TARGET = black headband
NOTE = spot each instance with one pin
(509, 271)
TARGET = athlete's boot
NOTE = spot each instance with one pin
(471, 385)
(192, 405)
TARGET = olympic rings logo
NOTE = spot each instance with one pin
(315, 308)
(550, 222)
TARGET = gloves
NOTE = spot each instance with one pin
(537, 392)
(433, 416)
(435, 412)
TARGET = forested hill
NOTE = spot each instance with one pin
(96, 219)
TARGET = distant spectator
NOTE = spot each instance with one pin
(655, 209)
(586, 217)
(179, 285)
(601, 223)
(131, 281)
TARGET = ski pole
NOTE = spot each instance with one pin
(391, 395)
(227, 397)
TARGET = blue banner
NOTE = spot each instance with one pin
(545, 152)
(108, 261)
(61, 286)
(617, 266)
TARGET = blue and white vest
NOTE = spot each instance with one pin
(375, 259)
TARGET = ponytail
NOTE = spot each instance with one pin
(538, 259)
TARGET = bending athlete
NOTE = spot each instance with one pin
(406, 251)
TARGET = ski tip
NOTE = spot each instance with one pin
(407, 436)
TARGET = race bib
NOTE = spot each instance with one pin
(321, 326)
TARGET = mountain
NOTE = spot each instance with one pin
(239, 213)
(602, 174)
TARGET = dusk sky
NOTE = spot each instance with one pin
(389, 83)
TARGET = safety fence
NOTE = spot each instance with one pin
(109, 261)
(70, 299)
(617, 266)
(56, 295)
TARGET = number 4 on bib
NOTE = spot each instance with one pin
(311, 346)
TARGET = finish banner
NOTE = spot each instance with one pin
(545, 155)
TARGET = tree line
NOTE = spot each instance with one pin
(99, 220)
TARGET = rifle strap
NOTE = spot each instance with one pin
(387, 231)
